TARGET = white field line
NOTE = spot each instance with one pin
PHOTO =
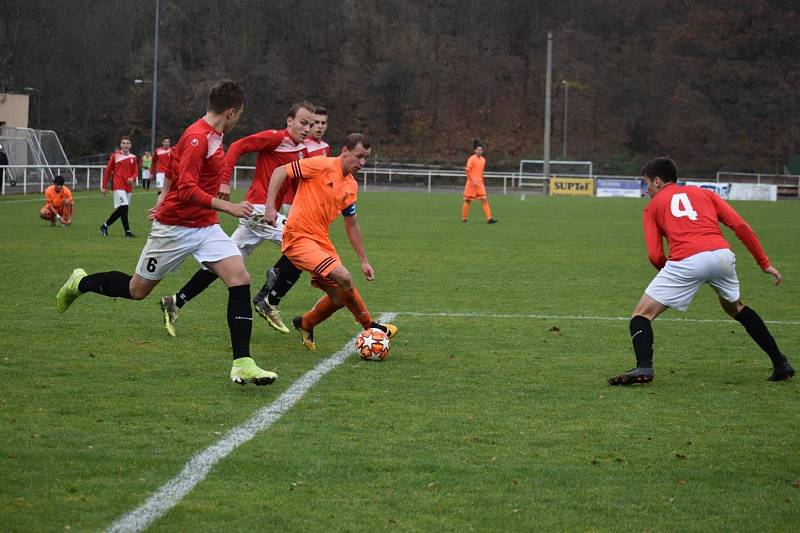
(584, 317)
(198, 467)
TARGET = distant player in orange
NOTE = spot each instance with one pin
(688, 217)
(58, 203)
(474, 188)
(327, 189)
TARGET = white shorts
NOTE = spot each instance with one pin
(249, 234)
(168, 246)
(676, 283)
(159, 180)
(121, 197)
(145, 174)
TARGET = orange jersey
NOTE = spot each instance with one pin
(474, 187)
(56, 199)
(323, 194)
(475, 166)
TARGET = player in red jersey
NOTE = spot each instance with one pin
(161, 162)
(327, 189)
(689, 218)
(122, 170)
(274, 148)
(282, 276)
(315, 146)
(186, 223)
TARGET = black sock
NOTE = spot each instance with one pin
(124, 216)
(199, 282)
(240, 320)
(114, 284)
(113, 218)
(759, 332)
(642, 339)
(285, 276)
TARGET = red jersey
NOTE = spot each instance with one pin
(275, 148)
(689, 218)
(122, 167)
(197, 163)
(315, 148)
(161, 160)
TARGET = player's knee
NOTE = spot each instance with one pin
(139, 292)
(345, 281)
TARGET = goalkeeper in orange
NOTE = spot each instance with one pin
(57, 203)
(327, 188)
(474, 188)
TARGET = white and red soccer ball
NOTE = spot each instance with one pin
(372, 345)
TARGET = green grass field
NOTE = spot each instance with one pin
(491, 413)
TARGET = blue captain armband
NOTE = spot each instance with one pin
(350, 211)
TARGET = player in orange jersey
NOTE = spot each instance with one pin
(689, 218)
(327, 189)
(58, 204)
(474, 188)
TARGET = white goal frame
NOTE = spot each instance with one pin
(526, 177)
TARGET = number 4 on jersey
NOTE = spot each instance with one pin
(682, 207)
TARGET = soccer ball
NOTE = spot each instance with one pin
(372, 345)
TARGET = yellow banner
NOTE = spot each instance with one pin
(572, 186)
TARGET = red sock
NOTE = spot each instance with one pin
(321, 311)
(352, 299)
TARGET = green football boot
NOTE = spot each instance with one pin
(245, 370)
(69, 291)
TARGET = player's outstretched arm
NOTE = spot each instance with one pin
(243, 209)
(356, 239)
(151, 213)
(772, 271)
(279, 176)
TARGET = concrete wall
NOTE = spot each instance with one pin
(14, 110)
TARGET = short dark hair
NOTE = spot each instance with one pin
(297, 106)
(59, 180)
(354, 139)
(661, 167)
(226, 94)
(124, 138)
(319, 110)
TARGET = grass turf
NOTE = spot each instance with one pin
(482, 422)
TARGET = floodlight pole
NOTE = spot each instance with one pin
(548, 105)
(155, 86)
(565, 83)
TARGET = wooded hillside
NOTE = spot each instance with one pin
(712, 83)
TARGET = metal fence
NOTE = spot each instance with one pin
(34, 179)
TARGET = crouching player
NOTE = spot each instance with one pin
(689, 218)
(326, 189)
(186, 223)
(58, 204)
